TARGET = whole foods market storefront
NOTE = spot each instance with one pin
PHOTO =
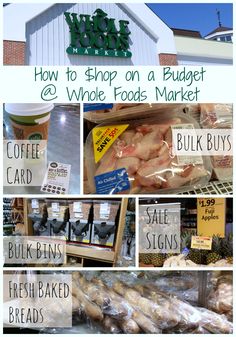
(102, 34)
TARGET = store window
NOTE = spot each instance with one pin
(226, 38)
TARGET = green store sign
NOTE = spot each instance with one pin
(97, 35)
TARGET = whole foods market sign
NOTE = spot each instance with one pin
(98, 35)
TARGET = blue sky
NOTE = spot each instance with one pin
(201, 17)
